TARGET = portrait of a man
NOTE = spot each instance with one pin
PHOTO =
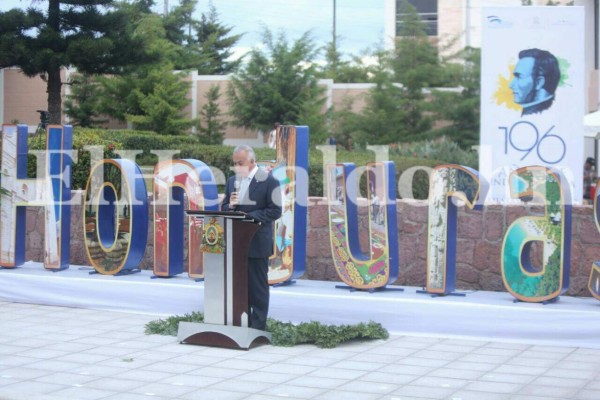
(535, 79)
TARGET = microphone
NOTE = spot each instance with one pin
(236, 187)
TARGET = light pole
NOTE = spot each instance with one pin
(334, 24)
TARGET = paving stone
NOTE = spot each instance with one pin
(86, 354)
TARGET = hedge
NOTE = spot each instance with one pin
(220, 158)
(216, 156)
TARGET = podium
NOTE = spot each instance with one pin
(225, 242)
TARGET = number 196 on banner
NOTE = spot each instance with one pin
(524, 137)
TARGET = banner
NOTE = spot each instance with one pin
(532, 94)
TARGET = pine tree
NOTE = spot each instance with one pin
(279, 85)
(179, 27)
(462, 108)
(161, 108)
(90, 35)
(210, 126)
(152, 96)
(342, 71)
(416, 66)
(215, 45)
(82, 104)
(383, 119)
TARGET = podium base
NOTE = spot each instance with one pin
(229, 336)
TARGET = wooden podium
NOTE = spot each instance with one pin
(225, 243)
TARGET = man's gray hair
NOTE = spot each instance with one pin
(247, 149)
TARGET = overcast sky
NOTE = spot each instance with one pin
(359, 22)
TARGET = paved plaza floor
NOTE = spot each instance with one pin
(58, 353)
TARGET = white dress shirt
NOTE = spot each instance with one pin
(245, 183)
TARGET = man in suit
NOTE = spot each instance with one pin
(257, 193)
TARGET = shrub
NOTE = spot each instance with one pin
(446, 150)
(287, 334)
(420, 183)
(219, 157)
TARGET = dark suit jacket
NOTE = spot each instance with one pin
(265, 194)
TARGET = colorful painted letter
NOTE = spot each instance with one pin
(379, 267)
(172, 179)
(289, 256)
(448, 183)
(115, 206)
(52, 191)
(594, 283)
(552, 232)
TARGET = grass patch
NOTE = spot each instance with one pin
(287, 334)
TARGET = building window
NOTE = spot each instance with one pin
(427, 10)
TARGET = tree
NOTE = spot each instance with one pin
(215, 45)
(345, 123)
(149, 96)
(179, 26)
(383, 120)
(161, 108)
(415, 65)
(341, 71)
(462, 108)
(210, 126)
(279, 84)
(203, 45)
(83, 103)
(179, 23)
(90, 35)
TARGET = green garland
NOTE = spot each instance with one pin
(287, 334)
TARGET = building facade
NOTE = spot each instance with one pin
(21, 97)
(459, 22)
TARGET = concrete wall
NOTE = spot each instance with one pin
(479, 243)
(20, 96)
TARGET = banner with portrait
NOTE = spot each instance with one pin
(532, 94)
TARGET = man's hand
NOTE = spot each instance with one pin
(234, 201)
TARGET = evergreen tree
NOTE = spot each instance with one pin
(279, 84)
(179, 23)
(416, 66)
(150, 96)
(90, 35)
(462, 108)
(161, 108)
(215, 45)
(341, 71)
(210, 126)
(82, 104)
(179, 27)
(383, 119)
(345, 123)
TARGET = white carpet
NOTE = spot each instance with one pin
(480, 315)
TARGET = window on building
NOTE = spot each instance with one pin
(428, 11)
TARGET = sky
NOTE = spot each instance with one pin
(359, 23)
